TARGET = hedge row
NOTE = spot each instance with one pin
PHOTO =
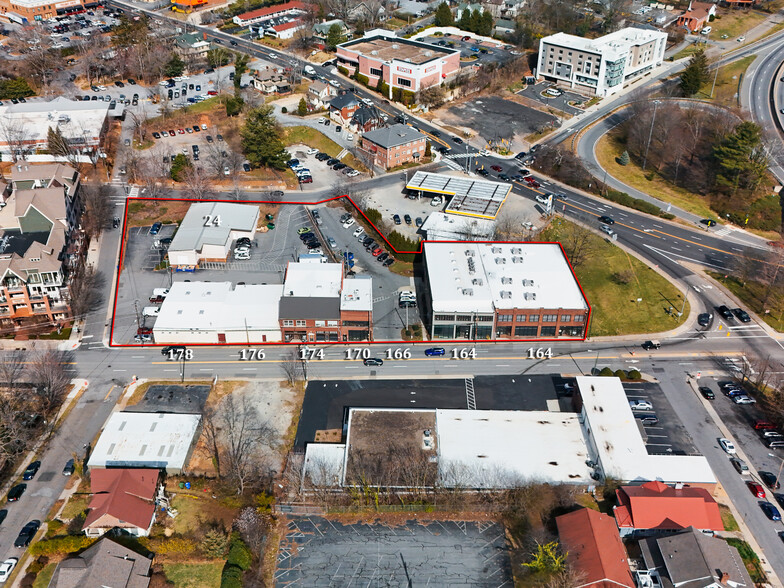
(636, 203)
(622, 374)
(61, 545)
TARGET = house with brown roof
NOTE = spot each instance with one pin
(655, 506)
(320, 93)
(697, 16)
(594, 549)
(272, 80)
(122, 498)
(104, 563)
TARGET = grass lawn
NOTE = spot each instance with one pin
(44, 576)
(615, 307)
(75, 506)
(686, 51)
(194, 575)
(318, 140)
(752, 294)
(609, 148)
(144, 213)
(64, 334)
(727, 82)
(735, 23)
(750, 559)
(730, 524)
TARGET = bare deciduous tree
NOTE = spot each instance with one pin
(292, 367)
(577, 243)
(83, 290)
(98, 209)
(48, 374)
(12, 365)
(198, 184)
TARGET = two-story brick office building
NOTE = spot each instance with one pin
(502, 290)
(320, 305)
(401, 63)
(393, 146)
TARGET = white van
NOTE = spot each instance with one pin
(706, 31)
(151, 311)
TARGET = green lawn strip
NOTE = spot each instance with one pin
(43, 577)
(750, 559)
(727, 82)
(609, 148)
(727, 518)
(75, 506)
(194, 575)
(736, 23)
(614, 304)
(685, 52)
(752, 294)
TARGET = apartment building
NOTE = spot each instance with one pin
(29, 11)
(393, 146)
(39, 240)
(401, 63)
(502, 290)
(600, 66)
(271, 15)
(320, 305)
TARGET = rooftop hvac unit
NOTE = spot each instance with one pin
(529, 295)
(506, 294)
(477, 282)
(468, 291)
(469, 253)
(500, 260)
(517, 250)
(496, 250)
(517, 259)
(395, 46)
(506, 280)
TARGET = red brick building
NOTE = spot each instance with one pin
(697, 16)
(343, 106)
(393, 146)
(320, 305)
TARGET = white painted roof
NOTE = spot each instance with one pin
(198, 228)
(480, 277)
(357, 294)
(219, 306)
(450, 227)
(143, 439)
(73, 118)
(470, 196)
(324, 463)
(497, 448)
(611, 46)
(614, 438)
(320, 280)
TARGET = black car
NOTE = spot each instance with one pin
(407, 218)
(457, 140)
(31, 470)
(742, 315)
(382, 257)
(435, 133)
(174, 349)
(196, 129)
(606, 220)
(770, 480)
(16, 492)
(69, 468)
(313, 244)
(396, 218)
(244, 241)
(389, 262)
(443, 150)
(504, 178)
(725, 313)
(648, 345)
(233, 43)
(338, 166)
(246, 167)
(704, 319)
(27, 533)
(483, 172)
(373, 361)
(707, 392)
(3, 514)
(708, 222)
(332, 161)
(323, 156)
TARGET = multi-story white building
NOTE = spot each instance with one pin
(600, 66)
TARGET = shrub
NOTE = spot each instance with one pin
(214, 543)
(634, 375)
(624, 158)
(620, 374)
(343, 70)
(231, 577)
(61, 545)
(39, 564)
(373, 215)
(607, 372)
(239, 554)
(363, 79)
(174, 546)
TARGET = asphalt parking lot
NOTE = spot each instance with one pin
(495, 118)
(323, 175)
(319, 552)
(669, 436)
(560, 102)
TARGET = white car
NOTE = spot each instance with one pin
(334, 84)
(640, 405)
(606, 229)
(485, 153)
(348, 223)
(312, 151)
(352, 173)
(542, 198)
(743, 399)
(321, 120)
(349, 137)
(332, 242)
(359, 231)
(741, 39)
(203, 127)
(727, 446)
(7, 567)
(241, 256)
(226, 171)
(151, 311)
(436, 201)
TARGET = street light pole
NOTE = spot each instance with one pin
(650, 134)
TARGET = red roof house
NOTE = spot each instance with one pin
(278, 10)
(657, 506)
(121, 498)
(697, 16)
(594, 549)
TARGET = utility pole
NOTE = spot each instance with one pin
(650, 134)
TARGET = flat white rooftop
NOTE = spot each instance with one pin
(211, 223)
(481, 277)
(357, 294)
(498, 448)
(324, 463)
(220, 306)
(614, 438)
(470, 196)
(143, 439)
(611, 46)
(449, 227)
(73, 118)
(318, 280)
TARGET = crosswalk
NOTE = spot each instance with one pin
(726, 230)
(452, 164)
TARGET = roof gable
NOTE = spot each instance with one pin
(125, 494)
(657, 506)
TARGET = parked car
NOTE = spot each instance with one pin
(728, 446)
(740, 466)
(707, 392)
(763, 425)
(7, 567)
(407, 218)
(396, 218)
(27, 533)
(31, 470)
(69, 468)
(640, 405)
(156, 228)
(743, 399)
(770, 511)
(725, 313)
(16, 492)
(770, 480)
(742, 315)
(756, 489)
(373, 361)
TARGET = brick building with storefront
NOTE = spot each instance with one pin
(393, 146)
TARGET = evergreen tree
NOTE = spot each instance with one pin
(15, 88)
(334, 37)
(443, 16)
(465, 20)
(179, 164)
(302, 107)
(696, 74)
(739, 158)
(261, 139)
(475, 20)
(485, 25)
(624, 158)
(174, 67)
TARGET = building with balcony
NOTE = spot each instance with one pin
(39, 241)
(401, 63)
(320, 305)
(600, 66)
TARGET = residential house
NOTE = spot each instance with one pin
(284, 30)
(594, 550)
(365, 13)
(321, 30)
(463, 6)
(268, 15)
(691, 558)
(504, 26)
(320, 305)
(366, 119)
(697, 16)
(104, 563)
(192, 46)
(39, 240)
(655, 506)
(395, 145)
(343, 106)
(320, 93)
(272, 80)
(122, 499)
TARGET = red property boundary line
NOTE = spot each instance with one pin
(329, 343)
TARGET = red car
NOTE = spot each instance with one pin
(764, 425)
(172, 132)
(532, 183)
(144, 331)
(756, 489)
(212, 93)
(377, 251)
(466, 38)
(181, 131)
(497, 168)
